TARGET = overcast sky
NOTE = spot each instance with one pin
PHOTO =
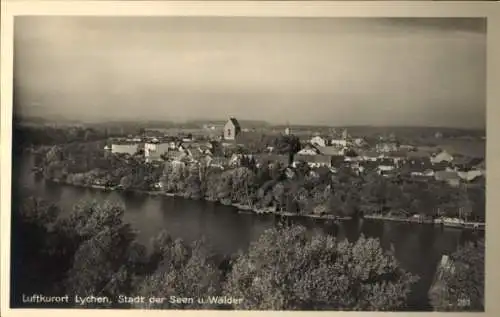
(337, 71)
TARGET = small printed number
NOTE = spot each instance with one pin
(463, 302)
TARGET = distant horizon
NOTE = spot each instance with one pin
(221, 120)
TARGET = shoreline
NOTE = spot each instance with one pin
(246, 209)
(241, 208)
(435, 222)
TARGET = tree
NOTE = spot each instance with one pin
(288, 269)
(35, 263)
(100, 262)
(193, 184)
(106, 259)
(91, 217)
(461, 287)
(243, 185)
(182, 271)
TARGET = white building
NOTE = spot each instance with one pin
(154, 151)
(340, 143)
(442, 157)
(130, 148)
(470, 175)
(309, 150)
(319, 141)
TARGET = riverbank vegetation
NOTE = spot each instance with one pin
(271, 186)
(92, 251)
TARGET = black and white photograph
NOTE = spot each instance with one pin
(248, 163)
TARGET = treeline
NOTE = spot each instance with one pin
(320, 191)
(273, 185)
(27, 136)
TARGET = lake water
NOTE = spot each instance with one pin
(418, 248)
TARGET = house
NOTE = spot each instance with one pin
(313, 160)
(331, 151)
(385, 170)
(470, 176)
(336, 154)
(449, 177)
(369, 156)
(127, 148)
(154, 151)
(338, 143)
(232, 129)
(425, 173)
(441, 157)
(397, 156)
(319, 141)
(309, 149)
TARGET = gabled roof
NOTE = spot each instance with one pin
(235, 122)
(309, 146)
